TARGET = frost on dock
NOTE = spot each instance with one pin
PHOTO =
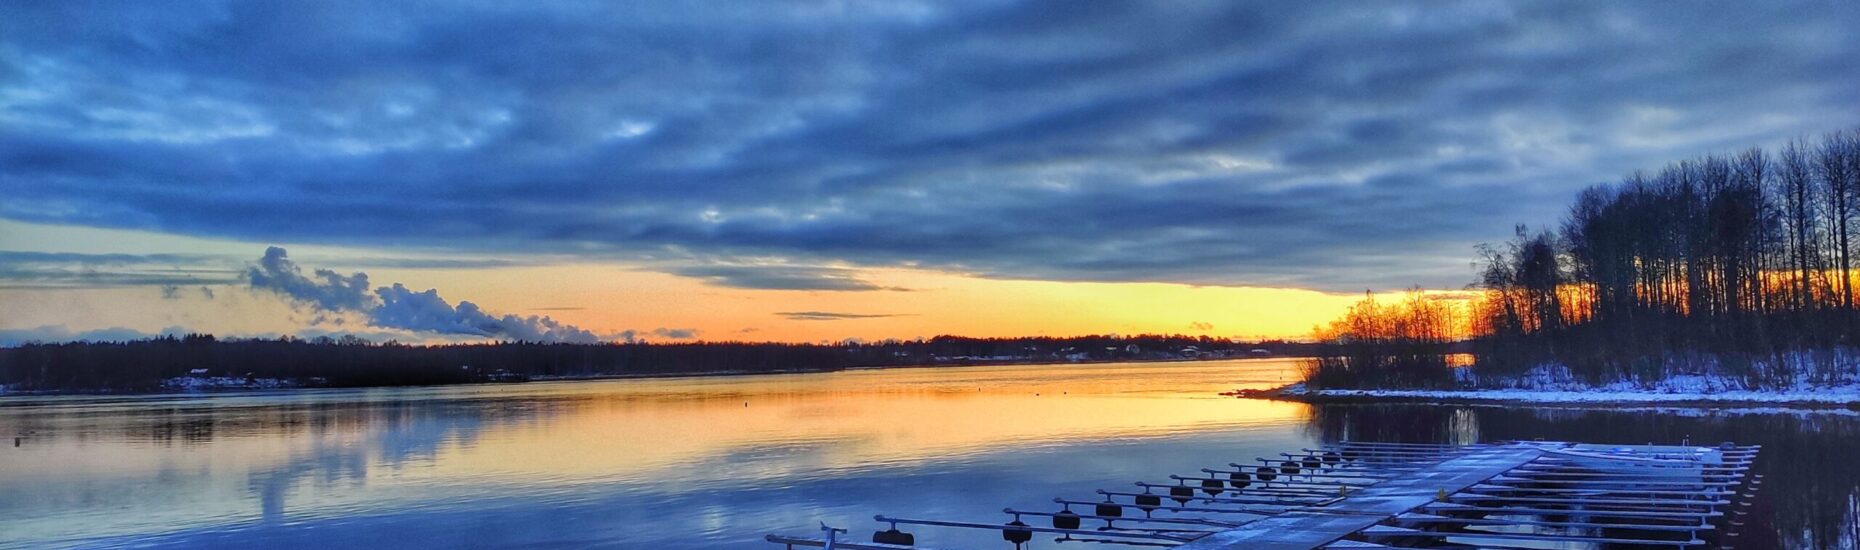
(1399, 495)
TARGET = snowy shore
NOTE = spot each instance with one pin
(1829, 378)
(1826, 396)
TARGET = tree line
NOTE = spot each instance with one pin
(143, 365)
(1723, 264)
(1728, 264)
(1403, 344)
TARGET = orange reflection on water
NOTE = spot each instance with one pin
(861, 418)
(94, 467)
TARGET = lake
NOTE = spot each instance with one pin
(717, 462)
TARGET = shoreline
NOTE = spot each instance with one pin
(289, 385)
(1839, 397)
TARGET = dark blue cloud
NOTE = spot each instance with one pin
(1289, 143)
(830, 316)
(28, 270)
(660, 333)
(39, 270)
(780, 277)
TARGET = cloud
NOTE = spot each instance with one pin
(1201, 326)
(331, 294)
(170, 272)
(61, 333)
(783, 277)
(326, 290)
(425, 311)
(830, 316)
(675, 333)
(665, 333)
(176, 292)
(1285, 144)
(74, 270)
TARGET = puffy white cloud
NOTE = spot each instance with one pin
(398, 307)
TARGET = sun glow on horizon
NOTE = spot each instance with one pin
(613, 296)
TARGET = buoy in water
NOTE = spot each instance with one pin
(1211, 486)
(1017, 533)
(1148, 501)
(1290, 468)
(894, 536)
(1109, 510)
(1181, 494)
(1239, 480)
(1265, 473)
(1066, 519)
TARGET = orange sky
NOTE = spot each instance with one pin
(613, 297)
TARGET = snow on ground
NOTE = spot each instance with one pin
(1825, 377)
(1834, 395)
(215, 383)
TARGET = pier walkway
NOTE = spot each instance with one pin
(1356, 495)
(1317, 526)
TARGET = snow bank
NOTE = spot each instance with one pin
(1839, 395)
(1830, 377)
(1678, 391)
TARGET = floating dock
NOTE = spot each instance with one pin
(1356, 495)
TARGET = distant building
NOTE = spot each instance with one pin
(1259, 352)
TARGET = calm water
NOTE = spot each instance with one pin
(718, 462)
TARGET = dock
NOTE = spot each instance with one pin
(1356, 495)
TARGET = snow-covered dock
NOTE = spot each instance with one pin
(1401, 495)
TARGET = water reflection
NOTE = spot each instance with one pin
(682, 463)
(717, 462)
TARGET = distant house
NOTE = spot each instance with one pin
(1259, 352)
(1191, 352)
(1132, 349)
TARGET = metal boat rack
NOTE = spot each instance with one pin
(1354, 495)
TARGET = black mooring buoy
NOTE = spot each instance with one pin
(1239, 480)
(1211, 486)
(894, 536)
(1109, 510)
(1066, 519)
(1181, 494)
(1016, 533)
(1265, 473)
(1148, 501)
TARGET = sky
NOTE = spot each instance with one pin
(809, 171)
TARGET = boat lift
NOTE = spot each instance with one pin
(1359, 495)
